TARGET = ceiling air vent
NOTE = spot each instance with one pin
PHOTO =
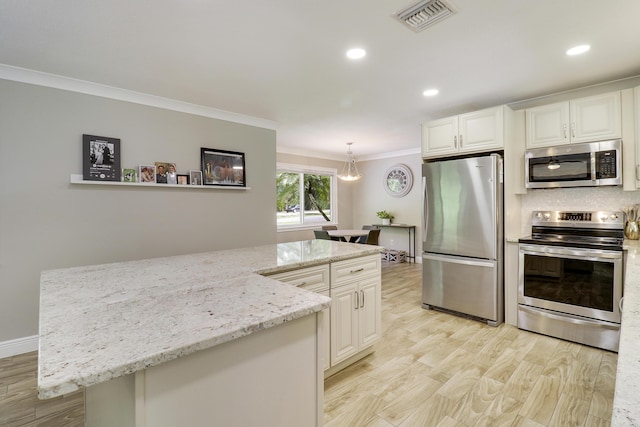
(424, 14)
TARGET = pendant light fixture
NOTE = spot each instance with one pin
(350, 170)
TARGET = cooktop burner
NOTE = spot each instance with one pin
(584, 229)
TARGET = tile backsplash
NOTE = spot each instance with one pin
(568, 199)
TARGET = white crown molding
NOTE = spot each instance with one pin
(297, 151)
(18, 346)
(391, 154)
(23, 75)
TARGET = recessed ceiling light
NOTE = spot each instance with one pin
(430, 92)
(356, 53)
(577, 50)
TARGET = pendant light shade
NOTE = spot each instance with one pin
(350, 170)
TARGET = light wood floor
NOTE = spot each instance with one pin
(19, 403)
(435, 369)
(430, 369)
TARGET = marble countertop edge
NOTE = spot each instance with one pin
(59, 388)
(71, 358)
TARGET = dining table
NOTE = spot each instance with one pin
(352, 235)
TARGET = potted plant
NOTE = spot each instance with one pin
(385, 216)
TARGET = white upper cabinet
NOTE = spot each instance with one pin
(440, 137)
(467, 133)
(594, 118)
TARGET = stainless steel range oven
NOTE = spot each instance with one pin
(571, 276)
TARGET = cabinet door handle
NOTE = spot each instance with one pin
(573, 129)
(637, 175)
(357, 270)
(362, 302)
(460, 140)
(564, 127)
(302, 283)
(357, 299)
(455, 141)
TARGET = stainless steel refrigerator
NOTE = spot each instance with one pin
(462, 267)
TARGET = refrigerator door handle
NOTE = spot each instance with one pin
(458, 260)
(425, 205)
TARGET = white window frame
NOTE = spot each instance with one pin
(289, 167)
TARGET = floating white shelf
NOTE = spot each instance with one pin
(77, 179)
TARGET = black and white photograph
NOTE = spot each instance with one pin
(100, 158)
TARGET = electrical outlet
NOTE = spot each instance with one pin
(392, 242)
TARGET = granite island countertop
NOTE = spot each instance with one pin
(105, 321)
(626, 403)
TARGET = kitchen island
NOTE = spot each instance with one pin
(153, 339)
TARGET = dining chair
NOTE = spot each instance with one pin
(329, 227)
(372, 238)
(363, 239)
(323, 235)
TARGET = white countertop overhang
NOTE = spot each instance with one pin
(104, 321)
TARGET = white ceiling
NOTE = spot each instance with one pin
(284, 60)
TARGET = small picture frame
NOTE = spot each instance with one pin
(182, 179)
(166, 173)
(147, 174)
(223, 168)
(195, 177)
(100, 158)
(129, 175)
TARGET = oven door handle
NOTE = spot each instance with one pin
(575, 253)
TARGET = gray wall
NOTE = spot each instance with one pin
(47, 223)
(371, 197)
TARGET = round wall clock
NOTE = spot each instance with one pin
(398, 180)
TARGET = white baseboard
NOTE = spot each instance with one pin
(18, 346)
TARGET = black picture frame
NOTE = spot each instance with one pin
(100, 158)
(223, 168)
(182, 179)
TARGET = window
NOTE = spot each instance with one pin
(305, 196)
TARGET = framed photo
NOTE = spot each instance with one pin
(195, 177)
(183, 179)
(147, 174)
(100, 158)
(220, 167)
(166, 173)
(129, 175)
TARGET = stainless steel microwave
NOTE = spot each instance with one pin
(591, 164)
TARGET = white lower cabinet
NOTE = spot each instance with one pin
(355, 318)
(353, 322)
(355, 310)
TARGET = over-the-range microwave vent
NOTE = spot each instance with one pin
(424, 14)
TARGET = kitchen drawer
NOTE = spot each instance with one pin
(314, 279)
(343, 272)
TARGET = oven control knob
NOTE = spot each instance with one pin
(613, 217)
(538, 215)
(603, 218)
(547, 215)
